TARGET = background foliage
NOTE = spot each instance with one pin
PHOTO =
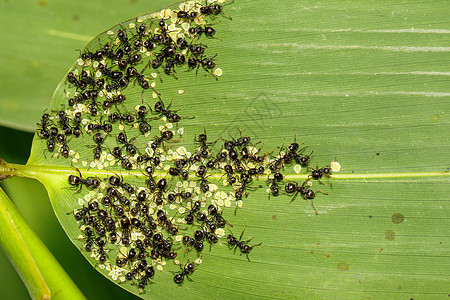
(366, 82)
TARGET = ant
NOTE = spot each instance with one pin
(170, 115)
(90, 182)
(161, 215)
(98, 139)
(64, 148)
(116, 181)
(242, 245)
(165, 136)
(74, 80)
(77, 128)
(183, 195)
(161, 186)
(137, 44)
(221, 156)
(186, 15)
(245, 180)
(149, 272)
(51, 141)
(293, 187)
(127, 258)
(122, 138)
(220, 221)
(141, 196)
(186, 271)
(89, 233)
(146, 158)
(106, 127)
(206, 63)
(117, 153)
(80, 213)
(150, 182)
(229, 171)
(119, 99)
(146, 231)
(63, 121)
(124, 39)
(274, 188)
(100, 243)
(201, 171)
(125, 224)
(179, 172)
(317, 173)
(190, 216)
(204, 147)
(123, 63)
(198, 31)
(112, 118)
(179, 59)
(144, 127)
(43, 132)
(199, 235)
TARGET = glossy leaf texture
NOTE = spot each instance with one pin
(354, 83)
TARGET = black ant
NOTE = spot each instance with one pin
(198, 31)
(204, 147)
(145, 230)
(220, 221)
(206, 63)
(124, 39)
(98, 139)
(148, 273)
(161, 215)
(274, 188)
(213, 9)
(144, 127)
(229, 171)
(89, 233)
(242, 245)
(165, 136)
(90, 182)
(123, 63)
(162, 111)
(117, 153)
(245, 180)
(204, 185)
(307, 194)
(127, 258)
(161, 186)
(199, 235)
(137, 44)
(122, 138)
(125, 224)
(74, 80)
(118, 182)
(101, 243)
(186, 271)
(183, 195)
(127, 118)
(221, 156)
(114, 75)
(77, 128)
(119, 99)
(64, 148)
(43, 132)
(150, 182)
(190, 216)
(106, 127)
(80, 213)
(184, 174)
(134, 271)
(64, 123)
(186, 15)
(317, 173)
(141, 196)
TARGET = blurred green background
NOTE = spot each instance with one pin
(35, 54)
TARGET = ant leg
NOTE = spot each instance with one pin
(293, 198)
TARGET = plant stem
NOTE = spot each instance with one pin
(38, 268)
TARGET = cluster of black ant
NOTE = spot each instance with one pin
(167, 212)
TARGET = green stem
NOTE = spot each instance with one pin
(38, 171)
(40, 271)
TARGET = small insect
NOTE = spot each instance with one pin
(117, 153)
(243, 246)
(206, 63)
(307, 194)
(127, 118)
(183, 195)
(43, 131)
(114, 75)
(186, 15)
(165, 136)
(163, 111)
(317, 173)
(98, 139)
(79, 181)
(106, 127)
(144, 127)
(149, 272)
(188, 269)
(101, 251)
(89, 233)
(198, 31)
(118, 182)
(74, 80)
(161, 186)
(126, 258)
(119, 99)
(125, 224)
(274, 188)
(77, 128)
(190, 216)
(122, 138)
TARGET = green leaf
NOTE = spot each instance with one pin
(361, 83)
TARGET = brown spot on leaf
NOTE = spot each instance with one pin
(343, 266)
(397, 218)
(389, 235)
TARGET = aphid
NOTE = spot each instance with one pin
(79, 181)
(243, 246)
(122, 138)
(186, 271)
